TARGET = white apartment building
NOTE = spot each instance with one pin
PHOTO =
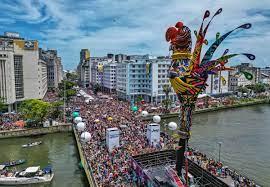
(144, 77)
(19, 70)
(218, 83)
(109, 77)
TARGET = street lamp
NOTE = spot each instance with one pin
(219, 147)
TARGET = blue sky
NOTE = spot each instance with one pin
(133, 26)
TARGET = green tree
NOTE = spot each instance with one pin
(65, 84)
(3, 107)
(257, 88)
(72, 76)
(139, 99)
(69, 93)
(56, 109)
(68, 87)
(35, 110)
(96, 88)
(167, 102)
(242, 89)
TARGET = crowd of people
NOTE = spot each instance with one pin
(113, 168)
(8, 121)
(51, 96)
(219, 170)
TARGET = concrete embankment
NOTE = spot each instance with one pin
(86, 166)
(35, 131)
(172, 115)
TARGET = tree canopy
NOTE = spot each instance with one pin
(167, 102)
(2, 105)
(96, 88)
(257, 88)
(242, 89)
(72, 76)
(69, 87)
(35, 110)
(56, 109)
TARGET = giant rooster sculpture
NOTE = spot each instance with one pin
(188, 72)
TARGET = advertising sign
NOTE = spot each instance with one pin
(153, 133)
(112, 138)
(29, 45)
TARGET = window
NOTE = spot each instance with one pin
(18, 74)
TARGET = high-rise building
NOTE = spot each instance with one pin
(84, 68)
(97, 72)
(120, 57)
(54, 67)
(21, 72)
(144, 77)
(109, 77)
(42, 75)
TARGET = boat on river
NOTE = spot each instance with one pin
(32, 144)
(31, 175)
(13, 163)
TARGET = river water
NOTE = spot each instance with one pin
(245, 136)
(58, 150)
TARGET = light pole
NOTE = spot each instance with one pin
(219, 148)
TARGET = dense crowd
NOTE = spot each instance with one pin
(51, 96)
(219, 170)
(8, 121)
(113, 168)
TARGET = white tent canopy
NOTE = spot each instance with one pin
(85, 95)
(203, 95)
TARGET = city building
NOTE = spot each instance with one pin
(237, 78)
(248, 67)
(218, 84)
(54, 67)
(97, 72)
(120, 57)
(265, 70)
(109, 77)
(42, 76)
(233, 81)
(84, 68)
(265, 78)
(143, 77)
(21, 72)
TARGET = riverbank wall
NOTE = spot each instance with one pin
(36, 131)
(213, 109)
(86, 166)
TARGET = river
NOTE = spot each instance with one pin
(57, 149)
(245, 136)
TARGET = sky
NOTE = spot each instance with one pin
(134, 26)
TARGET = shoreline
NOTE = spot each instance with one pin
(86, 166)
(35, 131)
(213, 109)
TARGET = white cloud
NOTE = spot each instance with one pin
(124, 25)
